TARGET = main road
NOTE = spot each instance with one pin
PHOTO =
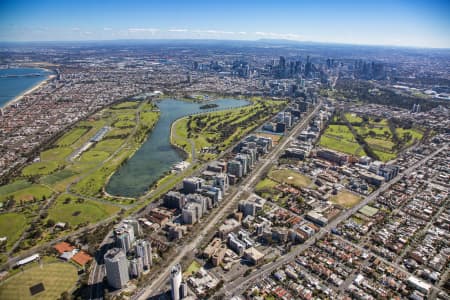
(238, 286)
(247, 183)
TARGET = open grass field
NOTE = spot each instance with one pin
(346, 199)
(56, 154)
(125, 124)
(385, 156)
(149, 118)
(108, 145)
(12, 225)
(40, 168)
(119, 132)
(57, 277)
(340, 138)
(94, 156)
(57, 176)
(69, 209)
(353, 118)
(289, 177)
(266, 188)
(35, 191)
(193, 267)
(72, 136)
(14, 187)
(126, 105)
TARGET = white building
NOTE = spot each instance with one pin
(144, 251)
(175, 282)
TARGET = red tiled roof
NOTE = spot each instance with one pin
(63, 247)
(81, 258)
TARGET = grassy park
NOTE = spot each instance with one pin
(11, 226)
(75, 211)
(64, 166)
(290, 177)
(340, 138)
(220, 129)
(376, 133)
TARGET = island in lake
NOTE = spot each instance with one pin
(208, 106)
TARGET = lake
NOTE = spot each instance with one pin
(157, 156)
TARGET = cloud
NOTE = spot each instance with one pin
(287, 36)
(76, 29)
(107, 28)
(143, 30)
(178, 30)
(216, 32)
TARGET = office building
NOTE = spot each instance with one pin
(116, 265)
(174, 200)
(144, 250)
(192, 184)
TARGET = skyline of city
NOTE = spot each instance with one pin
(402, 23)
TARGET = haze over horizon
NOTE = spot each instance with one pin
(398, 23)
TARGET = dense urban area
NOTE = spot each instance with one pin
(330, 181)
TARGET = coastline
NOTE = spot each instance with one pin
(30, 90)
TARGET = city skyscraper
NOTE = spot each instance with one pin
(144, 251)
(116, 268)
(175, 282)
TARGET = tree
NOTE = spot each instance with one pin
(50, 223)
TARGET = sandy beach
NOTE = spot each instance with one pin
(29, 91)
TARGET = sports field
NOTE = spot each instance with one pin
(346, 199)
(56, 277)
(289, 177)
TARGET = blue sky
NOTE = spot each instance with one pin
(421, 23)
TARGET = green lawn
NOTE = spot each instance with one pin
(385, 156)
(109, 145)
(124, 124)
(415, 134)
(221, 128)
(94, 156)
(126, 105)
(57, 176)
(343, 146)
(57, 277)
(14, 187)
(36, 191)
(290, 177)
(12, 225)
(193, 267)
(353, 118)
(40, 168)
(58, 153)
(75, 212)
(72, 136)
(340, 138)
(266, 188)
